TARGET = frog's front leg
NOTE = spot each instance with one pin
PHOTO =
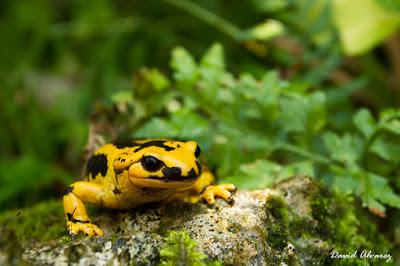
(75, 211)
(205, 190)
(223, 191)
(208, 192)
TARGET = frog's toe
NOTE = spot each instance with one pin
(90, 230)
(209, 197)
(87, 229)
(98, 231)
(72, 231)
(221, 191)
(229, 187)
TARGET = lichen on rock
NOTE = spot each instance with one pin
(297, 222)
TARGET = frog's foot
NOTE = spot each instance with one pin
(223, 191)
(191, 199)
(87, 228)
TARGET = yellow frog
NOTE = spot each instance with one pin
(127, 174)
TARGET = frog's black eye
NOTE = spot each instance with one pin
(151, 163)
(197, 152)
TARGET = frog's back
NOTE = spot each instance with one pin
(99, 167)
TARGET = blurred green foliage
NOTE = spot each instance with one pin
(258, 131)
(276, 94)
(371, 22)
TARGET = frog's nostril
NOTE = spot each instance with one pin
(176, 171)
(171, 172)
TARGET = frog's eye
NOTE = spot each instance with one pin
(151, 163)
(197, 152)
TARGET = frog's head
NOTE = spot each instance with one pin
(160, 163)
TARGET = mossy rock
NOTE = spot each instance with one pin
(298, 222)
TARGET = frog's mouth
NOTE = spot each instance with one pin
(169, 177)
(166, 177)
(171, 174)
(160, 183)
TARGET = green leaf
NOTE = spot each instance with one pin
(390, 120)
(264, 92)
(302, 114)
(293, 116)
(393, 126)
(378, 189)
(256, 175)
(267, 30)
(253, 142)
(362, 24)
(316, 117)
(272, 84)
(301, 167)
(346, 149)
(184, 124)
(212, 67)
(184, 66)
(364, 122)
(122, 97)
(347, 184)
(387, 147)
(157, 79)
(213, 59)
(157, 127)
(263, 173)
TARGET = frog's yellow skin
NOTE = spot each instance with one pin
(127, 175)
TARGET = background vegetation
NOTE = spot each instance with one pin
(268, 88)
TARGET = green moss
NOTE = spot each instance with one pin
(321, 204)
(180, 249)
(42, 222)
(278, 222)
(346, 227)
(334, 221)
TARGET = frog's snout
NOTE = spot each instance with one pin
(175, 174)
(172, 173)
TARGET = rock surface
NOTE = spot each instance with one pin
(292, 223)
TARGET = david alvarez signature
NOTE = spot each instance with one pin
(365, 254)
